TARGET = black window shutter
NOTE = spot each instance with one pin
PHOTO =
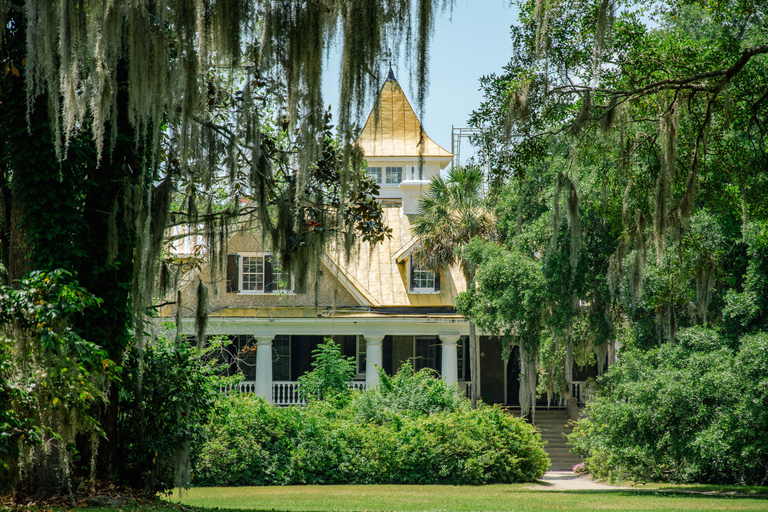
(439, 356)
(350, 346)
(467, 372)
(268, 285)
(437, 281)
(233, 280)
(386, 348)
(410, 274)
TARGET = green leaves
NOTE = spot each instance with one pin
(692, 412)
(330, 374)
(248, 442)
(509, 297)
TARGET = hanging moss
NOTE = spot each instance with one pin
(667, 174)
(528, 376)
(201, 314)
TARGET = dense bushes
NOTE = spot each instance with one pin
(407, 392)
(696, 411)
(248, 442)
(163, 402)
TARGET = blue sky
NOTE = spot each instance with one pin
(471, 42)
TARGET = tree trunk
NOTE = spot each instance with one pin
(474, 368)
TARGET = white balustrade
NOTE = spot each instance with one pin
(577, 391)
(284, 392)
(240, 387)
(357, 385)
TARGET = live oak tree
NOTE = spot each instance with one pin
(122, 118)
(632, 144)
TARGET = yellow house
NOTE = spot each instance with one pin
(379, 307)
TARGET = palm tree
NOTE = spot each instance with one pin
(453, 212)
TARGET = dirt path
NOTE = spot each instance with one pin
(569, 481)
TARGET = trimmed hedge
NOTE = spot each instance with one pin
(248, 442)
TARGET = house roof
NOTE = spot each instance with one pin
(393, 129)
(381, 272)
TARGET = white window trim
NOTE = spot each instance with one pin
(241, 256)
(419, 291)
(385, 177)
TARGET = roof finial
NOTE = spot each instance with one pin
(391, 75)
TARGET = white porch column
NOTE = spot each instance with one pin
(373, 357)
(449, 370)
(264, 365)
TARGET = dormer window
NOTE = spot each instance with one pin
(422, 280)
(394, 175)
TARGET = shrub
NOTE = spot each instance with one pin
(246, 442)
(330, 374)
(164, 401)
(691, 412)
(407, 392)
(435, 439)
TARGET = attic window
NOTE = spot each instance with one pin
(422, 280)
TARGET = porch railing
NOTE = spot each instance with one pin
(284, 392)
(580, 392)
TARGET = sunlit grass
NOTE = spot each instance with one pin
(520, 497)
(704, 488)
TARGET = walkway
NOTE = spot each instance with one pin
(569, 481)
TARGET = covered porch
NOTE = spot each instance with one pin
(272, 353)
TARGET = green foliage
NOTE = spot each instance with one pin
(690, 412)
(165, 398)
(330, 374)
(246, 442)
(52, 379)
(509, 296)
(424, 434)
(748, 310)
(408, 392)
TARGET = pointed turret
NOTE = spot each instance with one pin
(394, 130)
(401, 156)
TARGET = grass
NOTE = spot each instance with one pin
(702, 488)
(406, 498)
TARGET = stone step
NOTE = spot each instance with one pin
(553, 425)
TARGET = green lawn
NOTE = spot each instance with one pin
(455, 498)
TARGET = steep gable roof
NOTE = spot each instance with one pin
(393, 129)
(379, 273)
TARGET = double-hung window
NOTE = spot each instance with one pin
(423, 280)
(375, 173)
(360, 356)
(425, 352)
(394, 175)
(253, 273)
(461, 354)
